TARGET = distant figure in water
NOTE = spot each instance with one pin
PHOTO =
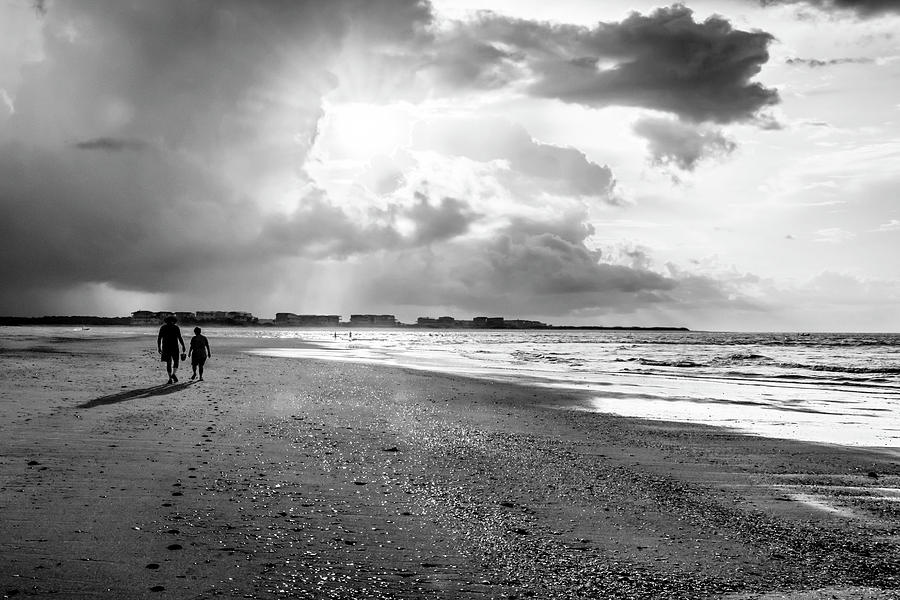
(199, 352)
(167, 344)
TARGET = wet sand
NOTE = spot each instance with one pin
(290, 478)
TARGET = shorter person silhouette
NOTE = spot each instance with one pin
(198, 352)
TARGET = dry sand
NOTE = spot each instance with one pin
(282, 478)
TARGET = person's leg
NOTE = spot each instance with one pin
(193, 368)
(200, 367)
(169, 367)
(175, 367)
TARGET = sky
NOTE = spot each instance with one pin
(717, 164)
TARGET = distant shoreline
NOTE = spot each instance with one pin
(126, 321)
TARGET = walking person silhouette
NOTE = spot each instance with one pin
(198, 352)
(167, 344)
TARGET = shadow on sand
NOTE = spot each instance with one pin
(156, 390)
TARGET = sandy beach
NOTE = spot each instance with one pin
(287, 478)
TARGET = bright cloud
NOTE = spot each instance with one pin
(892, 225)
(834, 235)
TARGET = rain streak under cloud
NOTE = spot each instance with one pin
(676, 165)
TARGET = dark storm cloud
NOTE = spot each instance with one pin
(432, 223)
(701, 71)
(227, 92)
(139, 220)
(144, 221)
(682, 145)
(864, 8)
(464, 61)
(321, 230)
(529, 266)
(564, 170)
(112, 144)
(542, 266)
(547, 264)
(816, 63)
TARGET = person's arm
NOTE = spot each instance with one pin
(208, 351)
(180, 339)
(159, 341)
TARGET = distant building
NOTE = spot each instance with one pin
(523, 324)
(373, 321)
(440, 322)
(479, 323)
(239, 316)
(292, 320)
(235, 317)
(209, 315)
(147, 317)
(489, 322)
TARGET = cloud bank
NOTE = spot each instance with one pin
(700, 71)
(165, 148)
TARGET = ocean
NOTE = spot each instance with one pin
(841, 388)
